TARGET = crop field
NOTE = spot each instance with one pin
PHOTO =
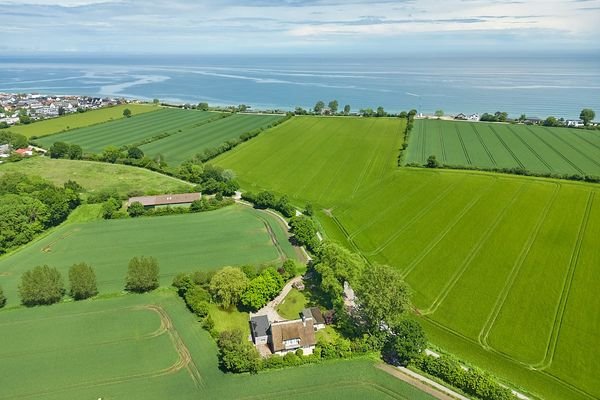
(534, 148)
(96, 176)
(151, 347)
(503, 268)
(319, 159)
(193, 140)
(235, 235)
(129, 131)
(79, 120)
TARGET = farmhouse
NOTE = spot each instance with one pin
(25, 152)
(461, 117)
(284, 337)
(181, 200)
(576, 123)
(316, 315)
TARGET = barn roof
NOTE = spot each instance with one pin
(165, 199)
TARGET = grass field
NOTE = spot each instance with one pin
(232, 236)
(194, 140)
(324, 160)
(292, 305)
(73, 121)
(129, 131)
(501, 266)
(95, 176)
(151, 347)
(534, 148)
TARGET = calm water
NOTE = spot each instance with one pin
(534, 86)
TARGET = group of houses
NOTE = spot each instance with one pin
(6, 151)
(464, 117)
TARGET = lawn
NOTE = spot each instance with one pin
(95, 176)
(132, 131)
(79, 120)
(498, 264)
(151, 347)
(195, 139)
(292, 305)
(486, 145)
(235, 235)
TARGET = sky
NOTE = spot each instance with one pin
(295, 26)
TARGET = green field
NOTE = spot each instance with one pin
(129, 131)
(194, 140)
(502, 267)
(79, 120)
(95, 176)
(487, 145)
(151, 347)
(232, 236)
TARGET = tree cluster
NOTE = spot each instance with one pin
(471, 381)
(266, 199)
(142, 275)
(29, 205)
(64, 150)
(498, 116)
(305, 232)
(262, 289)
(15, 140)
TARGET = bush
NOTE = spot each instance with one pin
(136, 209)
(41, 285)
(82, 280)
(142, 275)
(182, 282)
(197, 300)
(236, 354)
(2, 298)
(432, 162)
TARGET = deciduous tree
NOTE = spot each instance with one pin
(347, 109)
(41, 285)
(82, 280)
(319, 107)
(236, 354)
(127, 113)
(227, 286)
(142, 274)
(587, 115)
(407, 341)
(333, 106)
(136, 209)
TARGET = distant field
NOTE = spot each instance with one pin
(193, 140)
(95, 176)
(79, 120)
(232, 236)
(128, 131)
(502, 267)
(534, 148)
(150, 347)
(318, 159)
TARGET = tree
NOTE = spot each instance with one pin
(382, 297)
(41, 285)
(551, 121)
(61, 111)
(432, 162)
(228, 286)
(142, 274)
(75, 152)
(59, 150)
(82, 280)
(135, 153)
(304, 231)
(110, 207)
(381, 112)
(262, 288)
(236, 354)
(136, 209)
(407, 341)
(197, 300)
(203, 106)
(308, 210)
(522, 118)
(2, 298)
(319, 107)
(347, 109)
(127, 113)
(587, 115)
(439, 113)
(333, 106)
(111, 154)
(156, 102)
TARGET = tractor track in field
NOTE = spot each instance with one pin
(507, 147)
(442, 144)
(578, 134)
(184, 360)
(566, 290)
(512, 276)
(462, 144)
(488, 152)
(531, 149)
(571, 146)
(429, 248)
(472, 254)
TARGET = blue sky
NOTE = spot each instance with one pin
(294, 26)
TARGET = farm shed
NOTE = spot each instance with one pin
(183, 199)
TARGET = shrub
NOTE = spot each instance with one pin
(197, 300)
(2, 298)
(236, 354)
(82, 280)
(142, 275)
(182, 282)
(41, 285)
(136, 209)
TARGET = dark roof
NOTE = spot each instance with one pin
(259, 325)
(315, 313)
(289, 330)
(165, 199)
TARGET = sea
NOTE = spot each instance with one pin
(537, 86)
